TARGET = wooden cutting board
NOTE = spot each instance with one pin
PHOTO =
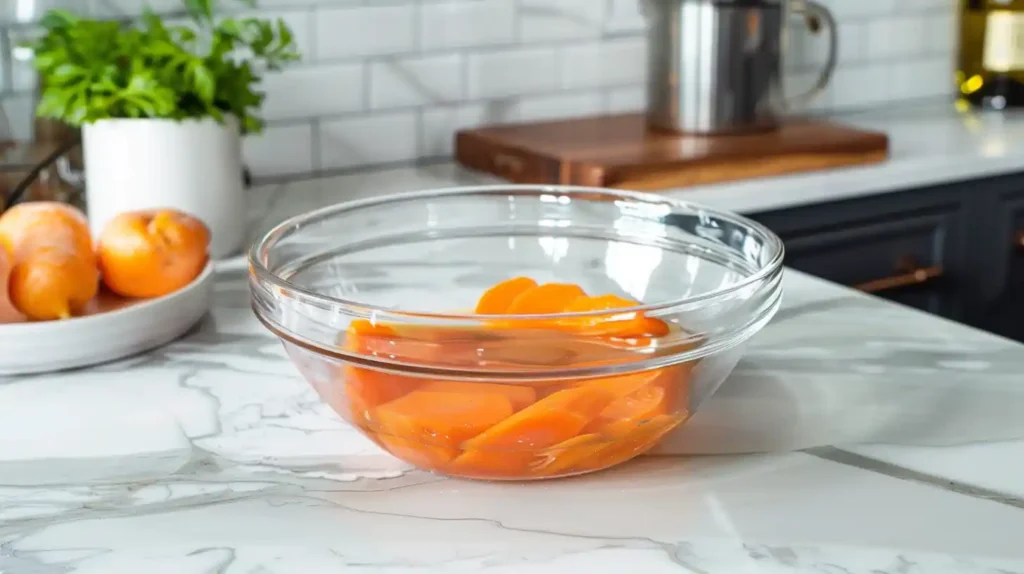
(619, 151)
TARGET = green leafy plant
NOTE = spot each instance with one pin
(204, 67)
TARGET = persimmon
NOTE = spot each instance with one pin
(152, 253)
(8, 312)
(54, 271)
(34, 225)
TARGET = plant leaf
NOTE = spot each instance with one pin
(94, 69)
(205, 83)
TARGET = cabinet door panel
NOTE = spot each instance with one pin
(908, 247)
(1001, 253)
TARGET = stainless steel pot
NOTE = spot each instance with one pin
(715, 66)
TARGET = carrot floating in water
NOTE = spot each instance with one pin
(627, 439)
(367, 389)
(509, 448)
(622, 385)
(519, 396)
(565, 456)
(365, 327)
(442, 418)
(545, 299)
(623, 325)
(528, 430)
(498, 299)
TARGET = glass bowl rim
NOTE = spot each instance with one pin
(356, 308)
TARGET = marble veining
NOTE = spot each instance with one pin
(210, 455)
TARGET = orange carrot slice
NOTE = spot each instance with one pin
(646, 403)
(498, 299)
(643, 405)
(565, 456)
(423, 456)
(622, 385)
(628, 439)
(365, 327)
(544, 299)
(520, 396)
(440, 418)
(547, 422)
(623, 325)
(509, 448)
(367, 389)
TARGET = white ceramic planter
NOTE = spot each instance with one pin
(194, 166)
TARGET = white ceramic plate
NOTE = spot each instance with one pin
(126, 328)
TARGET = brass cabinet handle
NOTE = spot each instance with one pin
(909, 274)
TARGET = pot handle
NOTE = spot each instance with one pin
(816, 16)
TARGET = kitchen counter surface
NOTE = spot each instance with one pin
(211, 456)
(930, 144)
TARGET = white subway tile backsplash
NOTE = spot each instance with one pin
(611, 63)
(386, 81)
(796, 84)
(851, 9)
(624, 16)
(467, 23)
(438, 127)
(18, 111)
(940, 30)
(619, 100)
(281, 149)
(560, 19)
(398, 82)
(364, 30)
(368, 140)
(930, 6)
(512, 72)
(860, 86)
(896, 37)
(313, 91)
(810, 50)
(537, 108)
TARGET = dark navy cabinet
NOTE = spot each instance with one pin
(955, 250)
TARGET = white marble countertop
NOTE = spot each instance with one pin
(212, 456)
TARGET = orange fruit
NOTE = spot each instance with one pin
(54, 266)
(38, 224)
(8, 312)
(152, 253)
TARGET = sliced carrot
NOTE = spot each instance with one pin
(623, 325)
(423, 456)
(498, 299)
(565, 456)
(547, 422)
(622, 385)
(494, 464)
(643, 405)
(367, 389)
(544, 299)
(440, 418)
(510, 448)
(628, 439)
(365, 327)
(520, 396)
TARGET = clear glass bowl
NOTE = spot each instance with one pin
(374, 301)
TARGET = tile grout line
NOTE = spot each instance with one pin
(847, 458)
